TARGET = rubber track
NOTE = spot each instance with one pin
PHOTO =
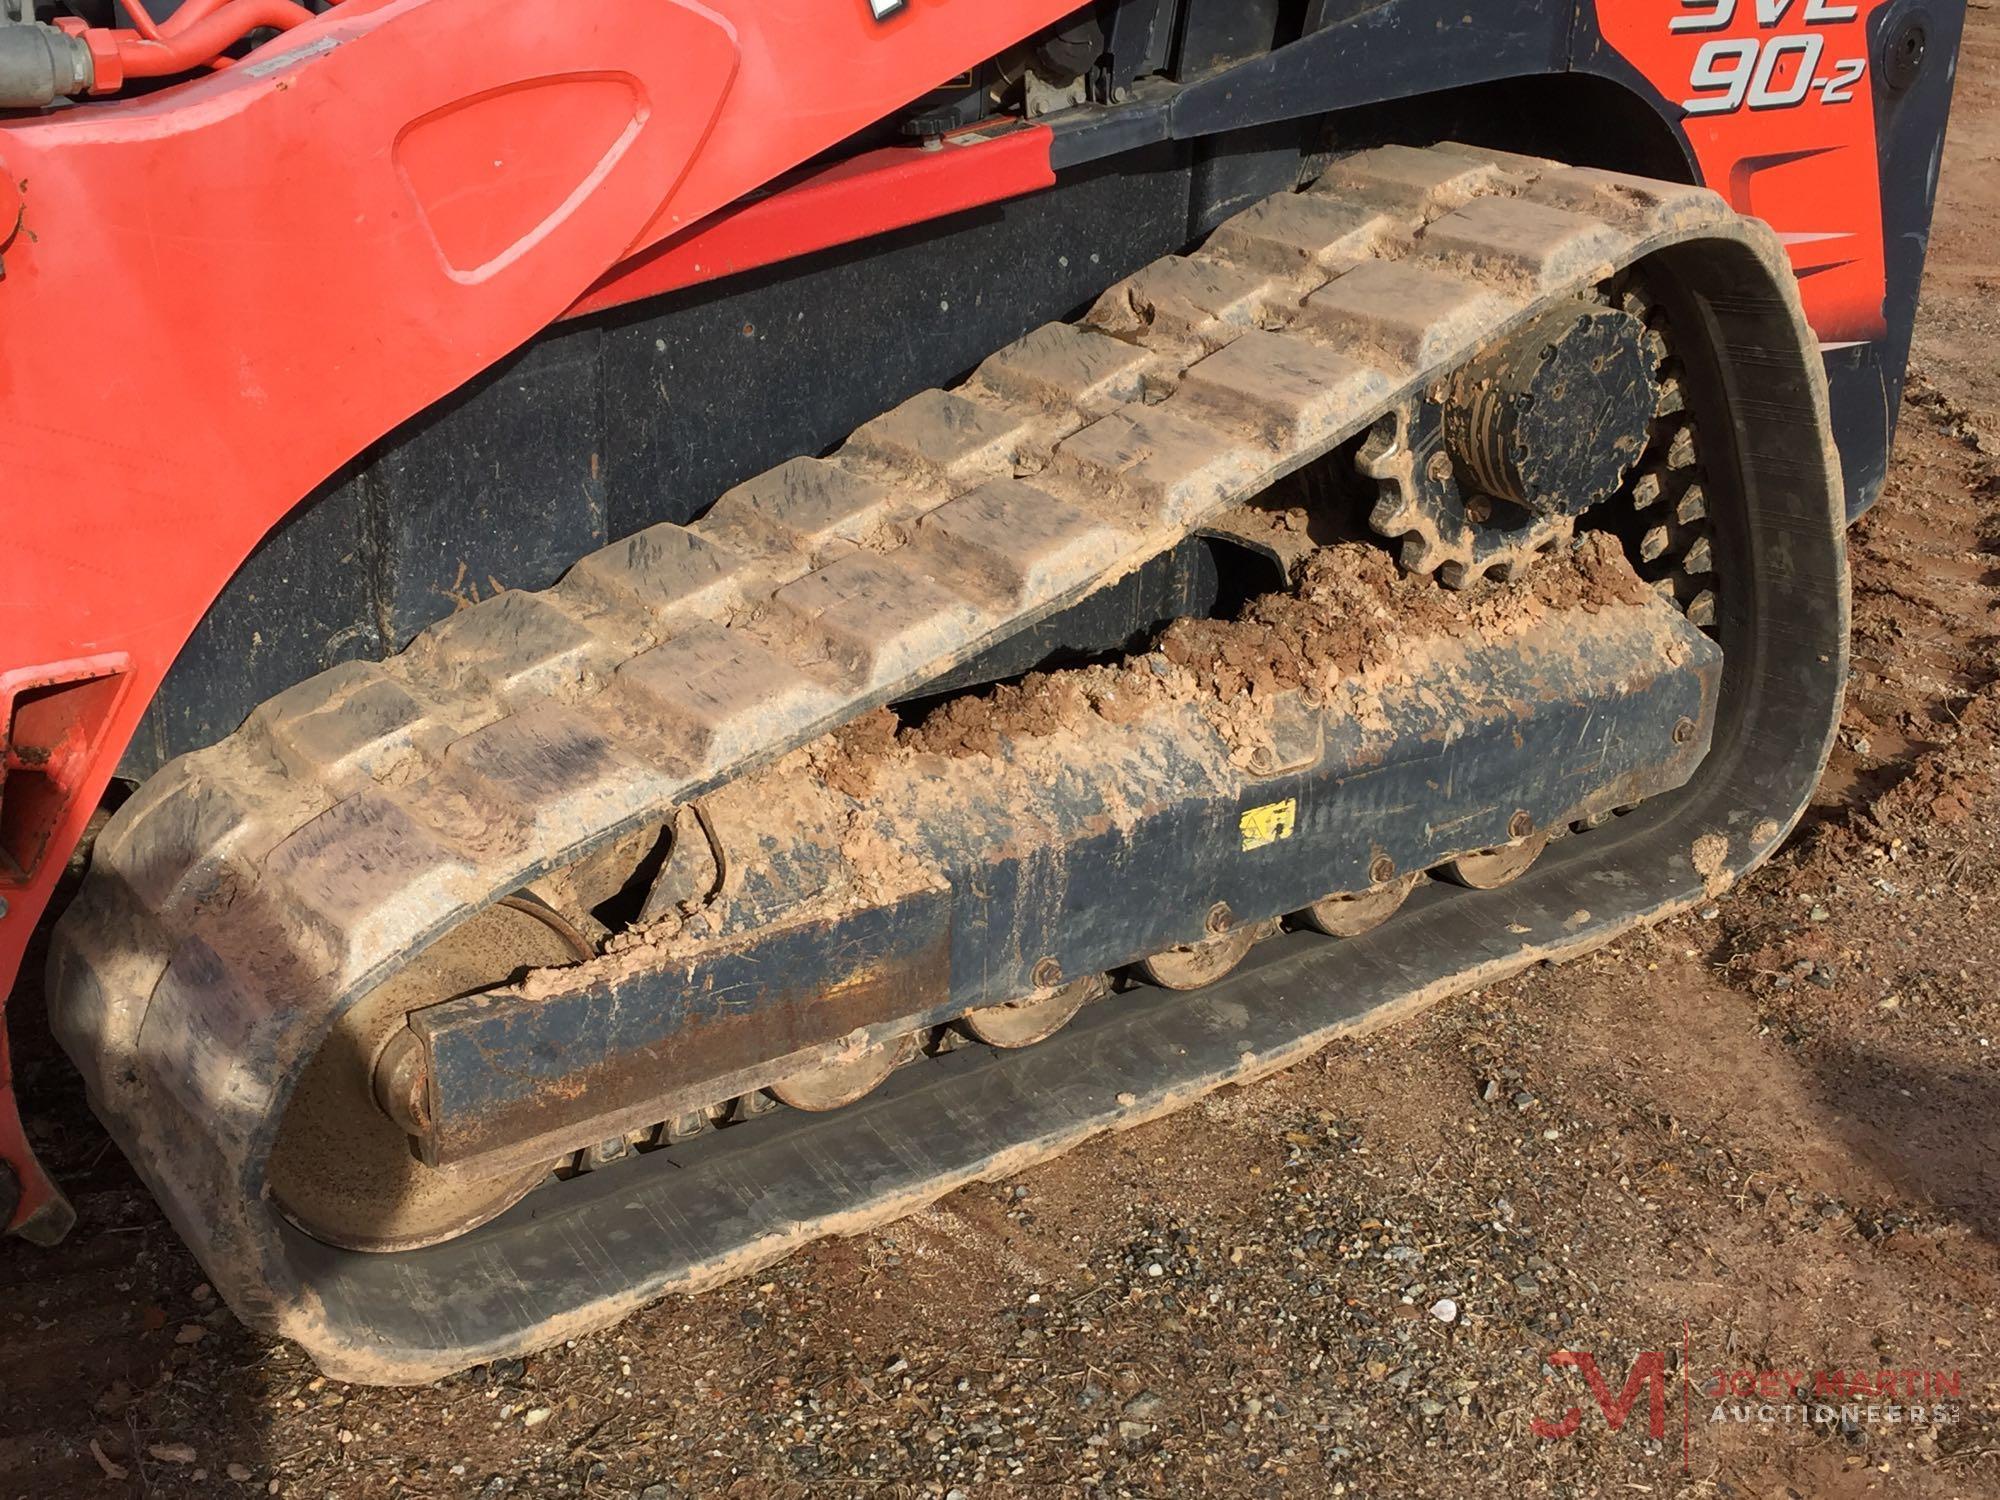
(253, 888)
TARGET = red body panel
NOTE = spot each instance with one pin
(217, 294)
(1780, 110)
(863, 195)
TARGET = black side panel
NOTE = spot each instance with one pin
(1392, 50)
(647, 414)
(734, 378)
(1218, 32)
(303, 600)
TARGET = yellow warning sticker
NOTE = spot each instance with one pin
(1269, 823)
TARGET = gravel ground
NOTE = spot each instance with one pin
(1761, 1138)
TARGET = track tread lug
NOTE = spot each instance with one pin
(516, 647)
(1518, 239)
(665, 570)
(1638, 205)
(803, 503)
(346, 726)
(880, 617)
(944, 437)
(1172, 466)
(364, 860)
(1305, 235)
(1075, 372)
(1412, 180)
(718, 695)
(1292, 391)
(1181, 302)
(1034, 545)
(1417, 316)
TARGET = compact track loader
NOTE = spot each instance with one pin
(663, 629)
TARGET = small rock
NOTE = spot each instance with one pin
(1489, 1091)
(536, 1417)
(656, 1492)
(237, 1472)
(190, 1333)
(1143, 1407)
(1524, 1100)
(1527, 1284)
(1445, 1310)
(172, 1453)
(1126, 1101)
(1818, 914)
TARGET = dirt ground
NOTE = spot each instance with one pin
(1763, 1138)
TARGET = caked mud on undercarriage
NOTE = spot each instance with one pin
(619, 938)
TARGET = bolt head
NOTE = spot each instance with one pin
(1047, 974)
(1220, 918)
(1684, 732)
(1382, 868)
(1520, 825)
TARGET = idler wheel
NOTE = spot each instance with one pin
(342, 1168)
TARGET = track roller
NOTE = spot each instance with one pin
(1193, 965)
(1491, 868)
(1353, 913)
(1025, 1022)
(843, 1079)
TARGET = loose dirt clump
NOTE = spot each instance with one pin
(1354, 616)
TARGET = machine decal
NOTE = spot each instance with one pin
(1776, 100)
(1270, 823)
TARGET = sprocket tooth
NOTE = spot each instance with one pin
(1456, 575)
(1418, 554)
(1392, 514)
(1383, 441)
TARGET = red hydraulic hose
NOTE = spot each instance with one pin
(195, 43)
(190, 12)
(141, 19)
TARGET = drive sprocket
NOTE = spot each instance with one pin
(1483, 472)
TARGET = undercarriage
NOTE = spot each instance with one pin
(769, 877)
